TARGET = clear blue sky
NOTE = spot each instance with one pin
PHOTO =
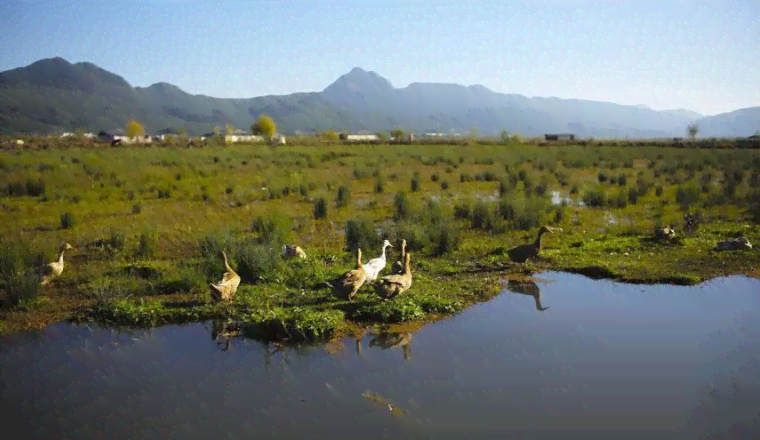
(703, 56)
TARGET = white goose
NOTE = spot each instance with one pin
(375, 265)
(54, 269)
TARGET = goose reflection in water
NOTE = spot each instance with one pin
(222, 332)
(386, 340)
(527, 288)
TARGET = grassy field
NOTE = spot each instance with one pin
(147, 225)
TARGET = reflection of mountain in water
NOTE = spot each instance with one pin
(386, 340)
(527, 288)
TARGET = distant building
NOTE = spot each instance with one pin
(561, 136)
(754, 137)
(362, 137)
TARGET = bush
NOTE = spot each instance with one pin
(116, 240)
(482, 216)
(136, 208)
(255, 261)
(622, 180)
(67, 220)
(145, 248)
(320, 208)
(360, 233)
(402, 206)
(595, 198)
(343, 197)
(379, 185)
(415, 184)
(686, 196)
(435, 177)
(659, 191)
(274, 229)
(445, 185)
(602, 177)
(463, 210)
(18, 282)
(444, 239)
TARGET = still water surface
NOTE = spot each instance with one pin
(588, 359)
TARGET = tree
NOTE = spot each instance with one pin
(133, 129)
(692, 129)
(382, 136)
(474, 132)
(264, 125)
(397, 134)
(229, 130)
(504, 135)
(331, 135)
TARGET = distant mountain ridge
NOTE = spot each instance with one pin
(53, 95)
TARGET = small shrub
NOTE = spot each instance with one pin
(379, 185)
(402, 207)
(67, 220)
(595, 198)
(136, 208)
(659, 191)
(320, 208)
(116, 240)
(463, 210)
(303, 189)
(415, 184)
(444, 239)
(445, 185)
(435, 177)
(145, 248)
(130, 195)
(273, 229)
(360, 233)
(686, 196)
(229, 190)
(164, 194)
(256, 261)
(602, 177)
(343, 197)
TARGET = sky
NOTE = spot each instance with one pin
(666, 54)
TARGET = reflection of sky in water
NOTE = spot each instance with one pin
(605, 361)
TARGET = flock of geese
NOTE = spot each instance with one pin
(345, 286)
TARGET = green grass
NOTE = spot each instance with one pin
(148, 224)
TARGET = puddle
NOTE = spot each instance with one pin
(564, 353)
(559, 198)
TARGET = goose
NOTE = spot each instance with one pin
(522, 253)
(346, 285)
(226, 288)
(54, 269)
(528, 288)
(391, 286)
(291, 250)
(375, 265)
(398, 266)
(390, 340)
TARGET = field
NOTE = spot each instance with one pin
(147, 225)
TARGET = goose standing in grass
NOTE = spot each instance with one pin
(226, 288)
(522, 253)
(391, 286)
(54, 269)
(291, 250)
(375, 265)
(398, 266)
(346, 285)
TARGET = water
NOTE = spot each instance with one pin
(568, 357)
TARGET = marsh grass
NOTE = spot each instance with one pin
(281, 195)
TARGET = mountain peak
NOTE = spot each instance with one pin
(360, 80)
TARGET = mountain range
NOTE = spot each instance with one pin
(53, 95)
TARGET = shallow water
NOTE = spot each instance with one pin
(589, 359)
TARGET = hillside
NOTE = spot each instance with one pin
(53, 95)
